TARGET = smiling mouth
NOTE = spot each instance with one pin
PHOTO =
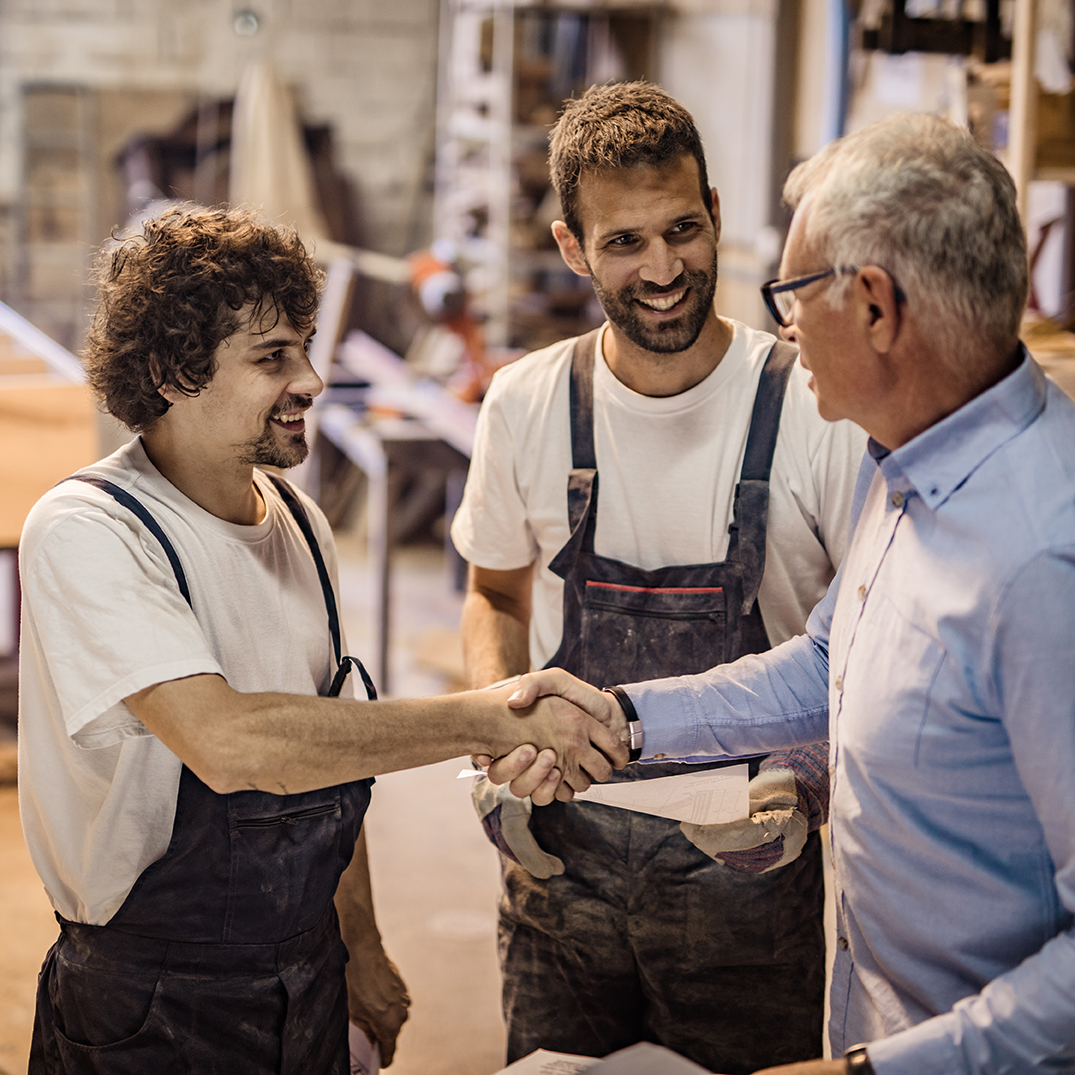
(662, 303)
(292, 421)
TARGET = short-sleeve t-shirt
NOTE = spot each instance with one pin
(668, 469)
(103, 618)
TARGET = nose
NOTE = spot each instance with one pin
(788, 332)
(662, 264)
(306, 381)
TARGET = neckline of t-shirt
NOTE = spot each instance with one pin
(731, 365)
(196, 514)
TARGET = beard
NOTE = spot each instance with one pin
(267, 449)
(665, 337)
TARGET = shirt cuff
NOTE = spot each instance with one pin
(925, 1049)
(668, 716)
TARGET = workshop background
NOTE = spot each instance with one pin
(407, 141)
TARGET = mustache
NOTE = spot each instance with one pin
(294, 403)
(685, 279)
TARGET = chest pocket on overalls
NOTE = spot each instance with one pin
(624, 626)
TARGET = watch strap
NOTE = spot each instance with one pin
(858, 1062)
(634, 725)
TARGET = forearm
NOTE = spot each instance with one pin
(286, 744)
(377, 998)
(496, 633)
(758, 704)
(354, 902)
(1020, 1021)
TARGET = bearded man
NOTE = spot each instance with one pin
(723, 512)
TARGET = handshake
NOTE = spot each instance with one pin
(559, 736)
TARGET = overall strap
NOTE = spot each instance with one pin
(583, 456)
(294, 505)
(751, 508)
(134, 505)
(344, 664)
(582, 481)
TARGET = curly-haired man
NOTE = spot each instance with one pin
(188, 799)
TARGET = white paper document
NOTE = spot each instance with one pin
(544, 1062)
(641, 1059)
(702, 798)
(365, 1057)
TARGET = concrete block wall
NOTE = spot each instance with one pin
(366, 67)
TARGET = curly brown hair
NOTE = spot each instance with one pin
(618, 126)
(170, 296)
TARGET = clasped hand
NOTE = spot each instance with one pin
(553, 772)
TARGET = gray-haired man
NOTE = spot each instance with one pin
(940, 663)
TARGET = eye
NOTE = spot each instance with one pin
(272, 357)
(685, 229)
(622, 242)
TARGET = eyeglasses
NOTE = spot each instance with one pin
(779, 295)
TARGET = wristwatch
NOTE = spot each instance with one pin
(858, 1063)
(633, 742)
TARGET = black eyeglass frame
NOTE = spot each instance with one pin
(775, 287)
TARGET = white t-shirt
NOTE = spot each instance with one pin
(103, 618)
(668, 468)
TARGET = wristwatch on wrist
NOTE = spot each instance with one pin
(858, 1063)
(633, 742)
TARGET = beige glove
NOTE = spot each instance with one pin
(506, 821)
(774, 813)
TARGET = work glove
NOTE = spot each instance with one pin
(506, 821)
(789, 799)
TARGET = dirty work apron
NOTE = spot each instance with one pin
(644, 937)
(226, 955)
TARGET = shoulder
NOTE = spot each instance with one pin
(77, 498)
(535, 375)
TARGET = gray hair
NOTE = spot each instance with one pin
(921, 199)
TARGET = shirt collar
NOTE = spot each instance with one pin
(936, 462)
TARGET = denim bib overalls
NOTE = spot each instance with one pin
(644, 937)
(226, 954)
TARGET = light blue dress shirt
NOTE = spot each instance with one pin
(941, 665)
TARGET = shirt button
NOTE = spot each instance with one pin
(658, 757)
(862, 593)
(897, 500)
(838, 683)
(841, 943)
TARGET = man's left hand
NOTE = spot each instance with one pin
(377, 999)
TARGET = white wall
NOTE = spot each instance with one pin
(720, 64)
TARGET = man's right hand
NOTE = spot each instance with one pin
(585, 748)
(541, 780)
(600, 705)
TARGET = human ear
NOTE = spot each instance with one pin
(875, 293)
(157, 376)
(715, 211)
(570, 250)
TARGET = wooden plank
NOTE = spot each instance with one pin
(47, 431)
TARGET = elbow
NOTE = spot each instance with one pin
(219, 774)
(223, 766)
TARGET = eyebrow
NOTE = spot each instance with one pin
(277, 342)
